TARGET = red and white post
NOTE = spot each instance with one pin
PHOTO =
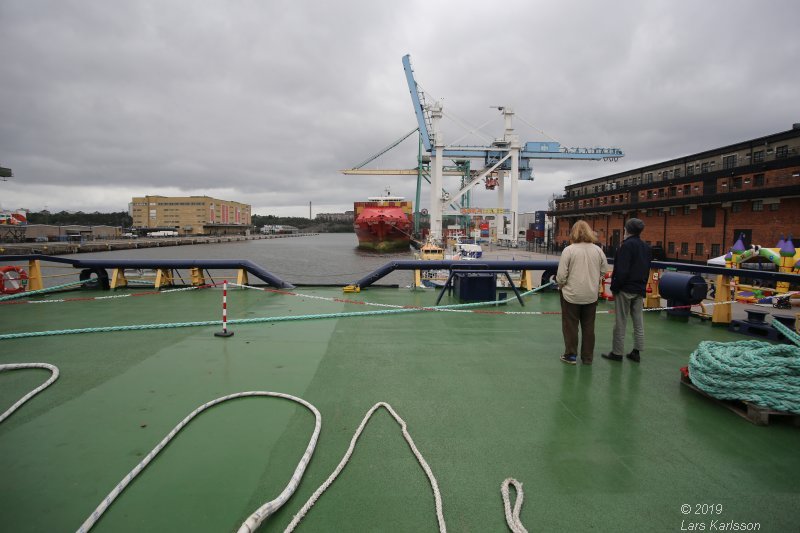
(224, 332)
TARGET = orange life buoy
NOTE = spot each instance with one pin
(13, 279)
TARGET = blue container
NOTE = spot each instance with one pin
(475, 286)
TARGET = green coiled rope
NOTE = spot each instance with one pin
(767, 375)
(42, 291)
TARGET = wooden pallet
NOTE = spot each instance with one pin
(759, 416)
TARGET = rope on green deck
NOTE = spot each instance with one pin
(17, 366)
(327, 483)
(294, 318)
(42, 291)
(255, 519)
(512, 517)
(786, 332)
(767, 375)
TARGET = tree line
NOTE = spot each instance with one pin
(80, 218)
(124, 220)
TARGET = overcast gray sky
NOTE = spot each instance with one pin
(264, 102)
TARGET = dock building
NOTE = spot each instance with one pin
(190, 215)
(696, 206)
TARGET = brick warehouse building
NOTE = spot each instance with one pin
(695, 207)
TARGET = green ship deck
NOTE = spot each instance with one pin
(607, 447)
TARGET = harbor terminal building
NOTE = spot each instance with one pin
(696, 206)
(190, 215)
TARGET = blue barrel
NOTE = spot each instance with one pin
(681, 289)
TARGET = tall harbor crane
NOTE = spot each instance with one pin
(504, 155)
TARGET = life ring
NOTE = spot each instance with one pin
(13, 279)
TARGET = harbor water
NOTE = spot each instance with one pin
(322, 259)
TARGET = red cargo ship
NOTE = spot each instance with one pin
(383, 223)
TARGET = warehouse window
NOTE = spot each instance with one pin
(709, 217)
(729, 161)
(715, 250)
(736, 207)
(758, 205)
(758, 156)
(671, 248)
(686, 210)
(758, 180)
(685, 248)
(782, 152)
(698, 248)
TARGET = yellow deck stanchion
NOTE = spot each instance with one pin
(118, 278)
(241, 277)
(164, 277)
(197, 277)
(35, 275)
(417, 278)
(526, 280)
(653, 298)
(722, 313)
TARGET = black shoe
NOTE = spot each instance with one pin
(612, 356)
(569, 359)
(634, 356)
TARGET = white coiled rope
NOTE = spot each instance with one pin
(17, 366)
(512, 518)
(312, 500)
(255, 519)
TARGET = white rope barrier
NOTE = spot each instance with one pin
(17, 366)
(260, 514)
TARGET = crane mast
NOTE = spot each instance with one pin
(506, 156)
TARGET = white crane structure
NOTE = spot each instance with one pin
(504, 157)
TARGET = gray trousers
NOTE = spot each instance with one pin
(628, 304)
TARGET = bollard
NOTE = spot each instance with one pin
(224, 332)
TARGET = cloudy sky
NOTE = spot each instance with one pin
(265, 101)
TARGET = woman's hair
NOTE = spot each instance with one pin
(582, 232)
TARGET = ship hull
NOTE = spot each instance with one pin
(382, 239)
(384, 226)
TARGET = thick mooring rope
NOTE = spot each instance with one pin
(141, 327)
(17, 366)
(255, 519)
(767, 375)
(788, 333)
(42, 291)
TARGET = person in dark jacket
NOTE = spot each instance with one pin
(629, 287)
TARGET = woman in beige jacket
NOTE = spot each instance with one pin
(580, 270)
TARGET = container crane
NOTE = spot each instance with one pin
(506, 154)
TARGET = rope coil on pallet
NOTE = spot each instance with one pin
(764, 374)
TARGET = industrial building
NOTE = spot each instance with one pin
(695, 207)
(190, 215)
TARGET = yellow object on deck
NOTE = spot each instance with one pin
(35, 275)
(164, 277)
(197, 277)
(351, 288)
(118, 278)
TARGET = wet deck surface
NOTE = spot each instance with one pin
(611, 447)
